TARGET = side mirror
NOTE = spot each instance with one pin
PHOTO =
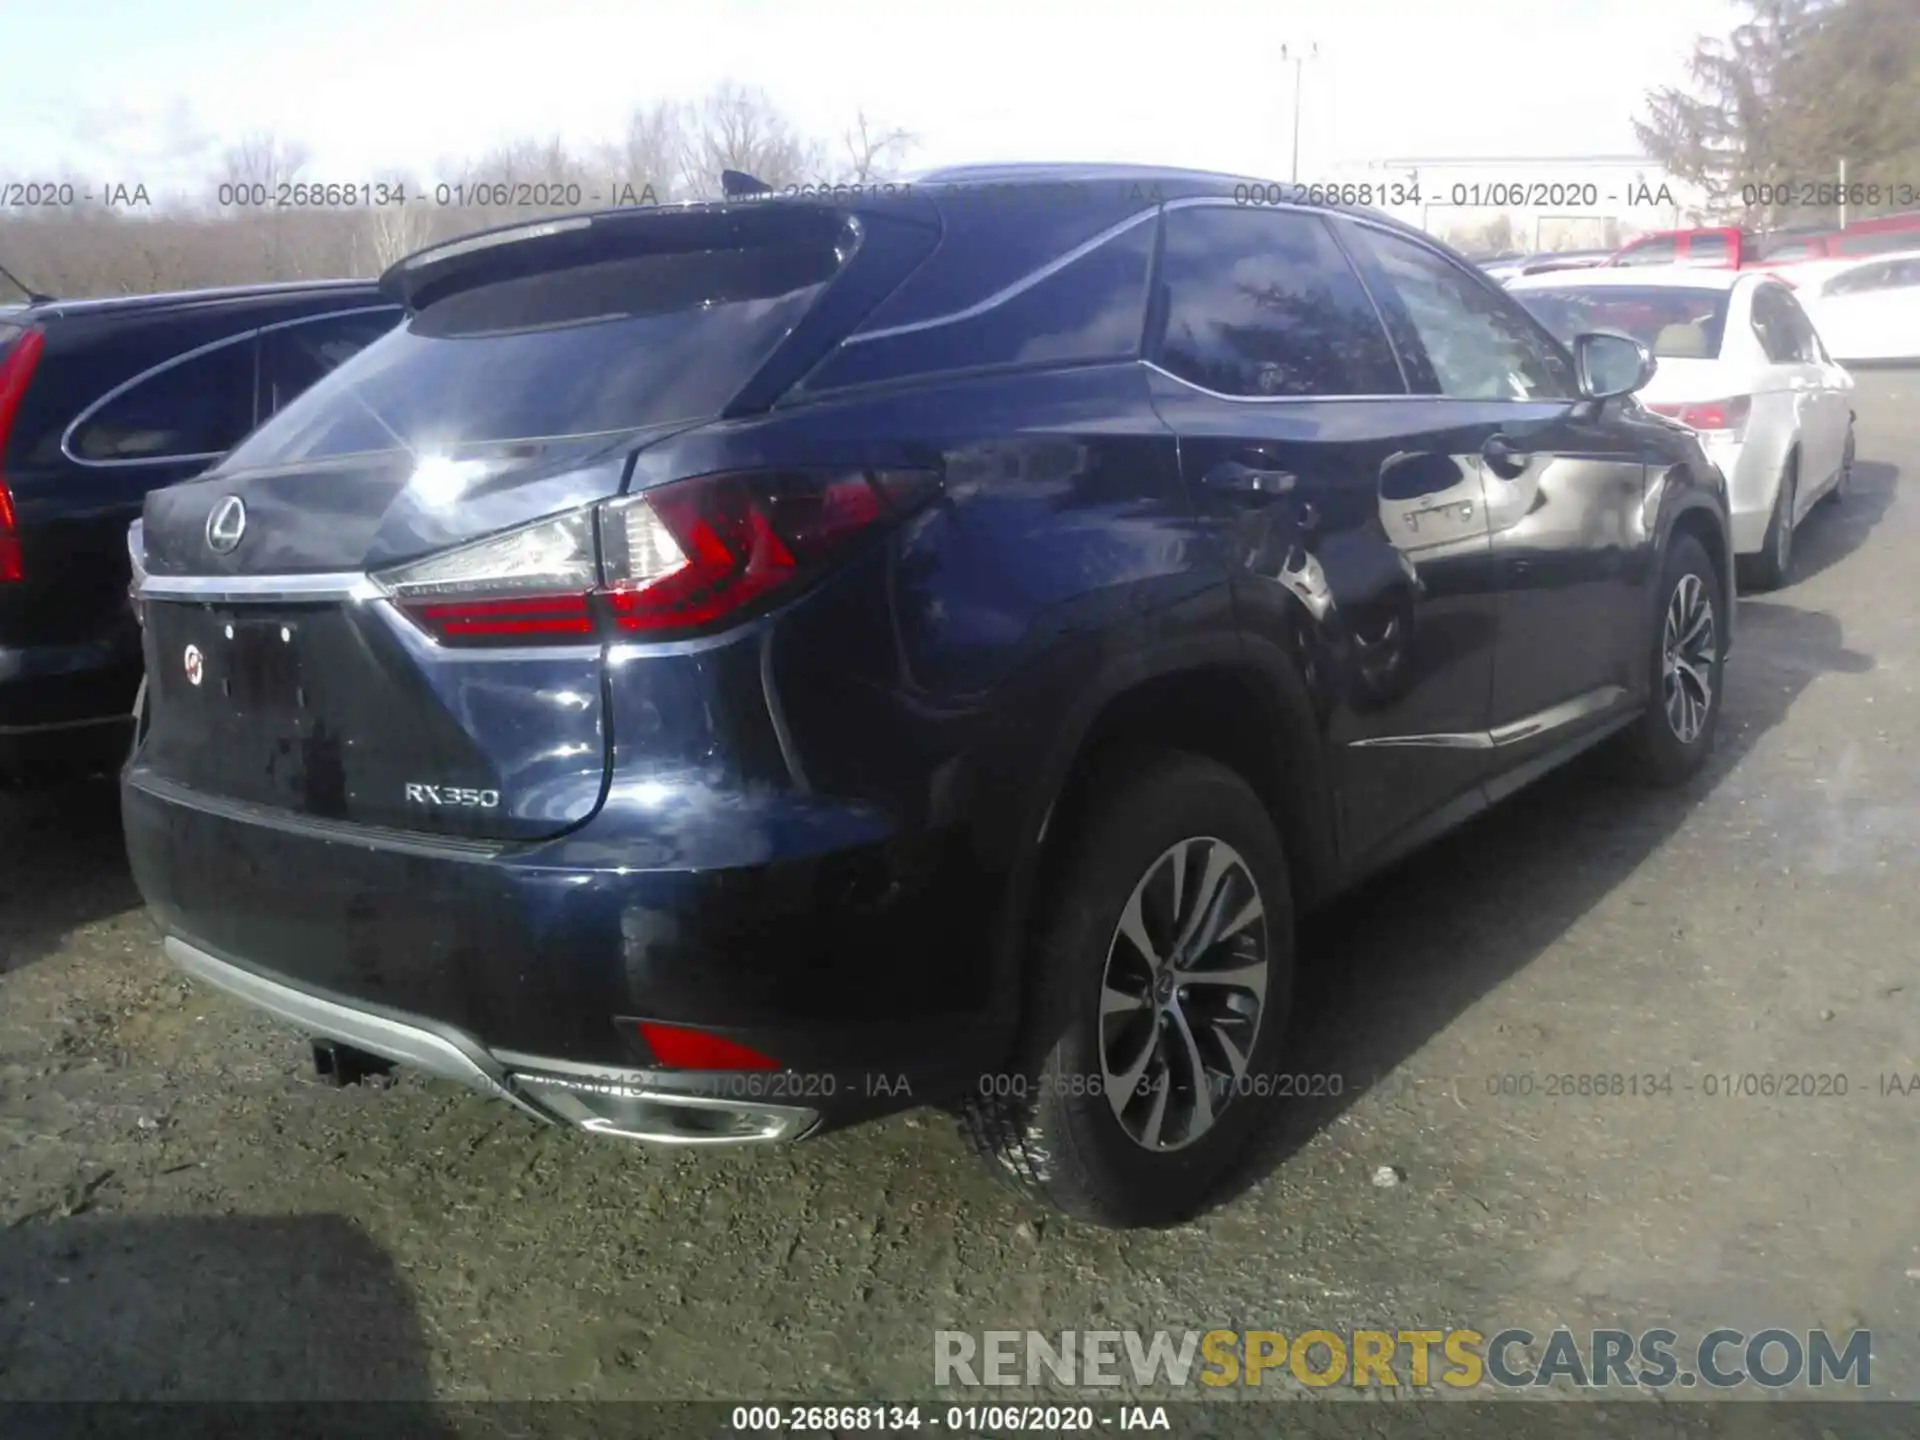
(1609, 364)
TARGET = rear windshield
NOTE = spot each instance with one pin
(1677, 323)
(592, 349)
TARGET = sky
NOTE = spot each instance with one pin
(150, 90)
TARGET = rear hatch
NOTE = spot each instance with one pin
(534, 366)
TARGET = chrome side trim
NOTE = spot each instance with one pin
(1462, 740)
(260, 589)
(1018, 287)
(1554, 717)
(397, 1041)
(1528, 727)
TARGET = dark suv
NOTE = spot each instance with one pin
(719, 673)
(101, 401)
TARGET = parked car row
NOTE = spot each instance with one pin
(1730, 247)
(1739, 362)
(704, 659)
(102, 401)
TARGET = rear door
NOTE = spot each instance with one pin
(1797, 390)
(1353, 518)
(1832, 394)
(1564, 483)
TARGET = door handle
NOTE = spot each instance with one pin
(1238, 479)
(1502, 458)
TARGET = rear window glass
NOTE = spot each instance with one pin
(1089, 310)
(589, 349)
(1681, 324)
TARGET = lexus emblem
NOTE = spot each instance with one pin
(226, 524)
(196, 665)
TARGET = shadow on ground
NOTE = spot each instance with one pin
(231, 1309)
(63, 864)
(1836, 528)
(1508, 885)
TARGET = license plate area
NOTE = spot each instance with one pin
(236, 664)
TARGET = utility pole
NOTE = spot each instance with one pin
(1299, 65)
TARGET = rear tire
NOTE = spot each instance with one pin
(1108, 1015)
(1673, 737)
(1843, 487)
(1772, 567)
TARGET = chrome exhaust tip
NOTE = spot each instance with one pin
(628, 1109)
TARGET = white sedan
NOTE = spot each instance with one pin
(1739, 362)
(1867, 309)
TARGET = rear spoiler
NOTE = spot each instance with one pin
(514, 251)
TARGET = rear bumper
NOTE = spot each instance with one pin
(526, 970)
(630, 1103)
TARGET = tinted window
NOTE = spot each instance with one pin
(1795, 250)
(201, 406)
(1090, 309)
(1876, 242)
(1263, 302)
(588, 349)
(1479, 343)
(1800, 332)
(1709, 250)
(1654, 252)
(1680, 324)
(293, 357)
(1867, 277)
(1783, 331)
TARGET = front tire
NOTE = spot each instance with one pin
(1158, 997)
(1673, 737)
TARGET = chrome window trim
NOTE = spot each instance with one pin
(1331, 399)
(1017, 288)
(244, 336)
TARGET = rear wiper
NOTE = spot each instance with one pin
(34, 297)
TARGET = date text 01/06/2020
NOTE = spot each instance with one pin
(962, 1419)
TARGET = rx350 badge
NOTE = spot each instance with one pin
(452, 797)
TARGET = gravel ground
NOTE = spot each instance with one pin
(185, 1214)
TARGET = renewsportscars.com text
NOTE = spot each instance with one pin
(1460, 1359)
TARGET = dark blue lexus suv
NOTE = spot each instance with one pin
(722, 672)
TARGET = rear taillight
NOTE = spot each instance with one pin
(16, 370)
(1724, 419)
(682, 559)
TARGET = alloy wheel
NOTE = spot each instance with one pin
(1688, 646)
(1183, 994)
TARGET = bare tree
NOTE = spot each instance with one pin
(872, 152)
(735, 128)
(262, 161)
(396, 229)
(646, 162)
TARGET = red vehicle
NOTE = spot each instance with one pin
(1727, 247)
(1863, 237)
(1718, 247)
